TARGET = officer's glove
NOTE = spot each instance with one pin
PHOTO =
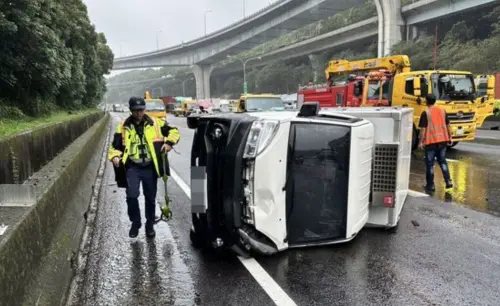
(166, 148)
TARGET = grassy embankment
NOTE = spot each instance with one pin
(9, 127)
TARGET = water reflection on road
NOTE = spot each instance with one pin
(475, 171)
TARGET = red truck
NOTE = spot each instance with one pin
(169, 102)
(369, 90)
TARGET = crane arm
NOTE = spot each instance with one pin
(393, 63)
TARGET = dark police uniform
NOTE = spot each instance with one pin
(139, 144)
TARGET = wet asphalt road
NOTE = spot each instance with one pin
(448, 255)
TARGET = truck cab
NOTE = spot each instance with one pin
(455, 93)
(487, 97)
(155, 108)
(334, 94)
(376, 89)
(259, 103)
(357, 91)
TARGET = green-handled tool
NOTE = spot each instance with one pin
(166, 212)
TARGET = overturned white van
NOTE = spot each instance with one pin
(269, 181)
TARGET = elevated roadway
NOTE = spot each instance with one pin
(270, 23)
(283, 16)
(361, 33)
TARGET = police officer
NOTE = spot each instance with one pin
(137, 145)
(435, 136)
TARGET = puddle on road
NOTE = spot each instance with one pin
(475, 181)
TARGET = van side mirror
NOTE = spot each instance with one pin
(417, 91)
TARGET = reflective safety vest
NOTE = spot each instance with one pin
(139, 151)
(128, 144)
(436, 130)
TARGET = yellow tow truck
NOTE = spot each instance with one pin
(154, 107)
(259, 103)
(455, 92)
(185, 107)
(488, 99)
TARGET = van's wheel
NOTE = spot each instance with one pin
(453, 144)
(414, 139)
(198, 232)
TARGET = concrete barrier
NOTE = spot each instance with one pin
(38, 249)
(23, 154)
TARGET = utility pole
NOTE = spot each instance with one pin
(157, 44)
(435, 46)
(244, 62)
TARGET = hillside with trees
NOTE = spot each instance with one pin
(51, 58)
(466, 42)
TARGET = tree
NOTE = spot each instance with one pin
(51, 56)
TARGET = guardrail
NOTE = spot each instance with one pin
(45, 223)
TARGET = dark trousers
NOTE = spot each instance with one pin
(438, 153)
(147, 175)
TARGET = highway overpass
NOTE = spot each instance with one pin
(359, 33)
(203, 53)
(272, 22)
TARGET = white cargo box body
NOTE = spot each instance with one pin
(391, 160)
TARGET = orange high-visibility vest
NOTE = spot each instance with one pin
(437, 130)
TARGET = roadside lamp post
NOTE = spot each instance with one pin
(157, 44)
(205, 18)
(244, 62)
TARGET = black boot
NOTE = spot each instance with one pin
(150, 231)
(430, 188)
(449, 185)
(134, 229)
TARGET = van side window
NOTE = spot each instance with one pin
(409, 87)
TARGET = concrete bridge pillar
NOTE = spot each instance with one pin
(390, 22)
(202, 75)
(412, 32)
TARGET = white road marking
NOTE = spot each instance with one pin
(3, 228)
(452, 160)
(267, 283)
(275, 292)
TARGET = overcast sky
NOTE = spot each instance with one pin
(132, 26)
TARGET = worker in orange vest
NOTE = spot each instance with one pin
(435, 136)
